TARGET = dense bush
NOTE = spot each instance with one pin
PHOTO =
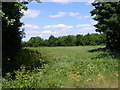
(11, 33)
(29, 58)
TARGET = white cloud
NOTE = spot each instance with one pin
(60, 14)
(31, 13)
(86, 30)
(82, 17)
(61, 1)
(47, 31)
(31, 32)
(83, 32)
(30, 27)
(63, 26)
(60, 30)
(56, 30)
(73, 14)
(83, 25)
(89, 28)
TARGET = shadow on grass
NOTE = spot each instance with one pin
(98, 49)
(31, 59)
(106, 53)
(114, 55)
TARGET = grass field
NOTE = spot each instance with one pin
(69, 67)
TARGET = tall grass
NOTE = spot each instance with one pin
(68, 67)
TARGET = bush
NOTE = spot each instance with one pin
(29, 58)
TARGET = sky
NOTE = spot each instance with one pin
(58, 19)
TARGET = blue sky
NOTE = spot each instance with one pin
(58, 19)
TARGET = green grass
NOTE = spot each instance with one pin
(69, 67)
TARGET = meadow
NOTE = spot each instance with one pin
(67, 67)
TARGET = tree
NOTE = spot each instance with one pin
(35, 42)
(86, 39)
(61, 41)
(70, 40)
(108, 16)
(79, 39)
(11, 33)
(52, 41)
(45, 43)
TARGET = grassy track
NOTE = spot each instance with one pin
(73, 67)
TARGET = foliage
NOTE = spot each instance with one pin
(69, 67)
(108, 17)
(11, 33)
(86, 40)
(62, 40)
(79, 39)
(94, 39)
(23, 79)
(29, 58)
(69, 40)
(52, 41)
(45, 43)
(35, 41)
(27, 61)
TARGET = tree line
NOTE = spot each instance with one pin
(69, 40)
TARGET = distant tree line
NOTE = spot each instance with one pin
(69, 40)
